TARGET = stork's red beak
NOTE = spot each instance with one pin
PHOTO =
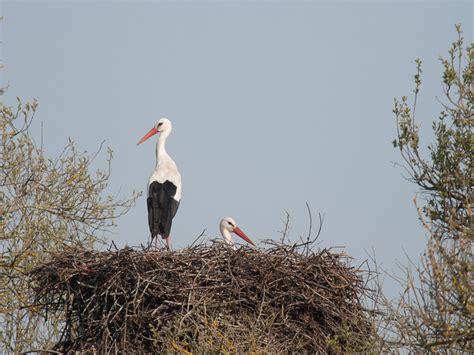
(242, 235)
(152, 132)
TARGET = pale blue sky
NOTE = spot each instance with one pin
(273, 104)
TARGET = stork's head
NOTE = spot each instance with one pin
(227, 226)
(163, 126)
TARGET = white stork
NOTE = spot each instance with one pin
(164, 185)
(228, 226)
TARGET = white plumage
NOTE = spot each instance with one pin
(165, 168)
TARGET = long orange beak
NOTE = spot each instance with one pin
(242, 235)
(152, 132)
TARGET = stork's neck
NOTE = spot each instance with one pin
(227, 237)
(161, 154)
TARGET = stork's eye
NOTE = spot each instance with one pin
(230, 223)
(159, 124)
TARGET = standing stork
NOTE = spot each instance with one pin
(164, 185)
(228, 226)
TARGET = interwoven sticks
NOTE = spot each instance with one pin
(205, 298)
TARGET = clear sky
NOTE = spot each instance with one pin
(273, 104)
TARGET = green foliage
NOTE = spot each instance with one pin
(436, 309)
(46, 205)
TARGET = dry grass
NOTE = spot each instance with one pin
(284, 298)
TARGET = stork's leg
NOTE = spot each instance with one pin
(150, 243)
(168, 242)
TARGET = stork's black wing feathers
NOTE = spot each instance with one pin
(162, 207)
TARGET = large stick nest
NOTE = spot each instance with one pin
(206, 298)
